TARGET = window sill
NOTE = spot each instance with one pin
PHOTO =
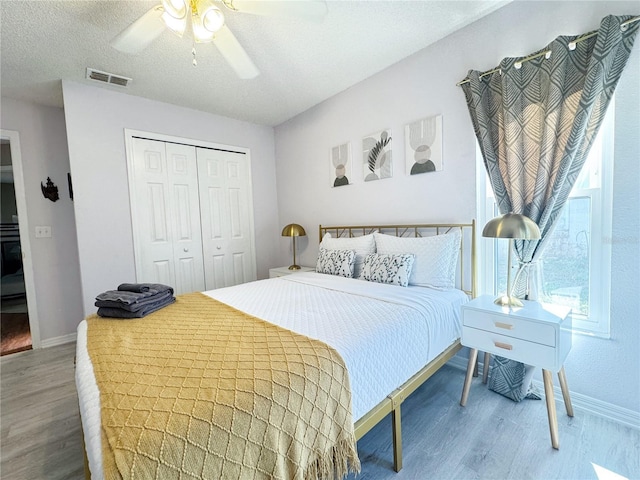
(587, 333)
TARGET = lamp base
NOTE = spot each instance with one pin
(294, 267)
(506, 301)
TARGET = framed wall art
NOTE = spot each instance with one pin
(423, 145)
(376, 156)
(341, 165)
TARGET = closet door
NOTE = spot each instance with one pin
(166, 215)
(226, 205)
(187, 237)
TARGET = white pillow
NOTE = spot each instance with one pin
(362, 245)
(387, 268)
(336, 262)
(436, 257)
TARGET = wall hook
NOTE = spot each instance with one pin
(50, 191)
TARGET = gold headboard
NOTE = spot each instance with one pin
(466, 275)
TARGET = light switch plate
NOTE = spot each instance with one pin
(43, 232)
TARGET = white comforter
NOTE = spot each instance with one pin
(384, 333)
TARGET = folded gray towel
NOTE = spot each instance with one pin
(121, 313)
(137, 305)
(128, 298)
(144, 287)
(134, 287)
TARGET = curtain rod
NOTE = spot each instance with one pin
(547, 53)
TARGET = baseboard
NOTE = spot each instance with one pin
(580, 402)
(52, 342)
(597, 407)
(460, 363)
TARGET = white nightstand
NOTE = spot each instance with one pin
(282, 271)
(535, 334)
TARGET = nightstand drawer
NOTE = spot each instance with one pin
(509, 347)
(510, 326)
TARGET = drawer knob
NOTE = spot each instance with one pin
(506, 326)
(504, 346)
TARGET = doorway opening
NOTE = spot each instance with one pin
(15, 332)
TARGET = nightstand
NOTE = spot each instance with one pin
(282, 271)
(535, 334)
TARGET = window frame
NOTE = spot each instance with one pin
(601, 199)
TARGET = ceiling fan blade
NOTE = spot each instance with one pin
(234, 54)
(139, 35)
(305, 9)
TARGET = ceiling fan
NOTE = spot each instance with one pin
(208, 25)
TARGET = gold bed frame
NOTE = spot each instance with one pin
(393, 401)
(467, 283)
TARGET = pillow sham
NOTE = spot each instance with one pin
(436, 257)
(336, 262)
(387, 268)
(362, 245)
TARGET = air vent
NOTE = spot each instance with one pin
(106, 77)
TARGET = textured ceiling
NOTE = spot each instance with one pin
(302, 63)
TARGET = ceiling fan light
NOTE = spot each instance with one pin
(212, 19)
(176, 8)
(200, 33)
(176, 25)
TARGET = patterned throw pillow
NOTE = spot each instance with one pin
(382, 268)
(362, 245)
(336, 262)
(436, 257)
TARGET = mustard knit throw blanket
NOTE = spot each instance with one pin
(201, 390)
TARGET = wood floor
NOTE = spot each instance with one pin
(39, 418)
(495, 438)
(491, 438)
(15, 335)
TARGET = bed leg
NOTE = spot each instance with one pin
(87, 472)
(396, 420)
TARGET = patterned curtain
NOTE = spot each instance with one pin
(536, 120)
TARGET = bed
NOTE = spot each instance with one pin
(392, 338)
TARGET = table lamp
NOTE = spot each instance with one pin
(511, 226)
(294, 230)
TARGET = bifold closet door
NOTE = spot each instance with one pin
(227, 217)
(166, 215)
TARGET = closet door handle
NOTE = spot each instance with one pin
(219, 247)
(186, 249)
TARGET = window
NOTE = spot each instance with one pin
(576, 264)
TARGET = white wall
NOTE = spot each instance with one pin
(43, 144)
(96, 119)
(424, 85)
